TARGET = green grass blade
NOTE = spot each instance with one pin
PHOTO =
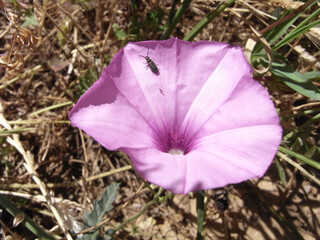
(275, 33)
(175, 19)
(206, 20)
(200, 197)
(306, 160)
(5, 132)
(297, 83)
(302, 113)
(313, 75)
(312, 16)
(171, 14)
(282, 70)
(296, 33)
(300, 29)
(281, 172)
(298, 166)
(31, 225)
(59, 105)
(302, 127)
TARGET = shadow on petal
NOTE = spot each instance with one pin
(102, 92)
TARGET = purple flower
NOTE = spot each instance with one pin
(199, 122)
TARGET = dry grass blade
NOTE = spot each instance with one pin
(249, 47)
(29, 165)
(251, 42)
(301, 169)
(25, 38)
(311, 61)
(18, 219)
(21, 36)
(314, 35)
(13, 62)
(286, 4)
(61, 31)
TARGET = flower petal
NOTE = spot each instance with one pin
(168, 95)
(206, 88)
(163, 169)
(220, 85)
(224, 158)
(106, 115)
(162, 100)
(231, 157)
(248, 105)
(184, 69)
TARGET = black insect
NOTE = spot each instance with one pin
(153, 67)
(221, 199)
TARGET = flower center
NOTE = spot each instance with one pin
(176, 152)
(175, 142)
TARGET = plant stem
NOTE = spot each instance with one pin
(51, 108)
(200, 197)
(206, 20)
(156, 199)
(175, 19)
